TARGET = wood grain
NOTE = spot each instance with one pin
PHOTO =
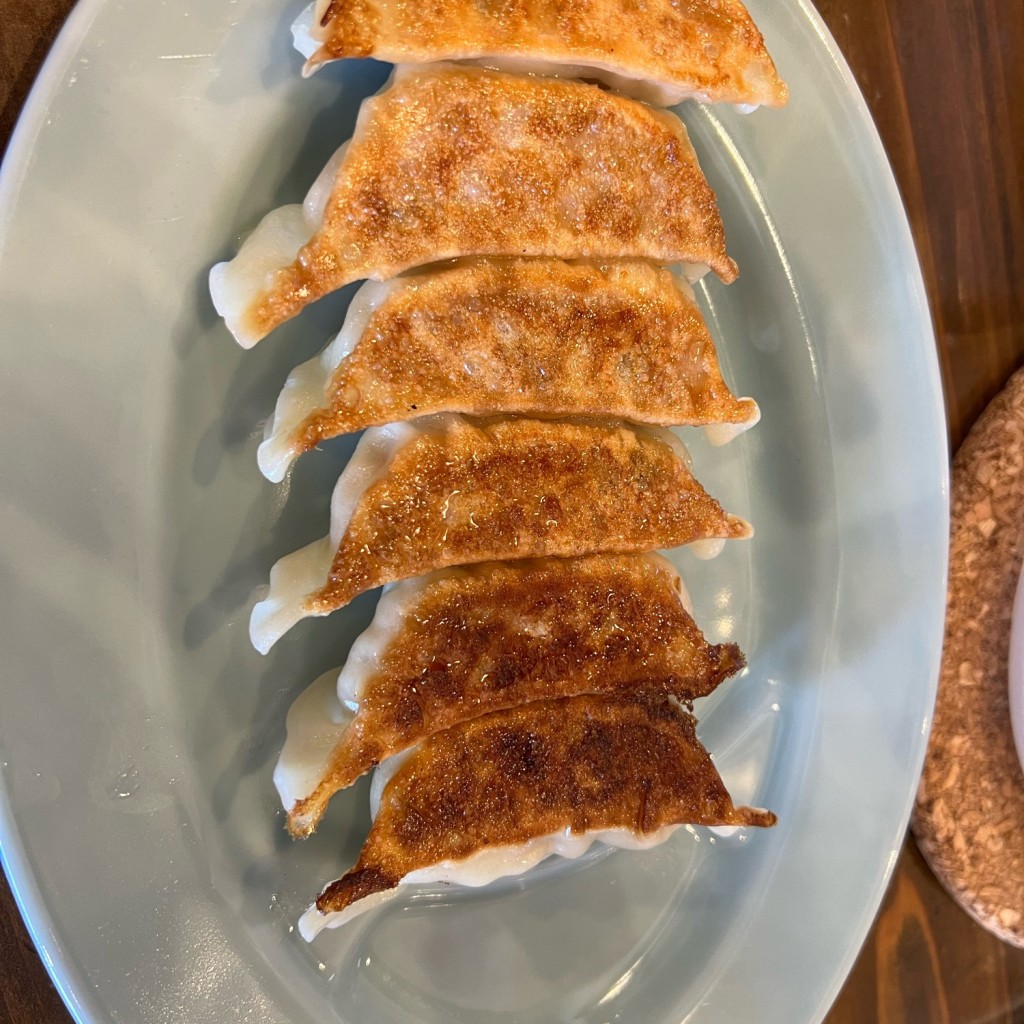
(945, 82)
(27, 29)
(26, 994)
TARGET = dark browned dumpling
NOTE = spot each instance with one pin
(464, 642)
(581, 766)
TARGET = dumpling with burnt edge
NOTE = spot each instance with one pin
(460, 643)
(496, 795)
(445, 490)
(662, 51)
(455, 161)
(539, 337)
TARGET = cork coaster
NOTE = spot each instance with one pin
(969, 819)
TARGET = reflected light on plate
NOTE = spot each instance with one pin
(619, 985)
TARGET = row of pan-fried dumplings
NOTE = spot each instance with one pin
(514, 361)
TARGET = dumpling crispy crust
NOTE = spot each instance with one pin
(707, 47)
(580, 763)
(540, 337)
(519, 488)
(504, 634)
(456, 161)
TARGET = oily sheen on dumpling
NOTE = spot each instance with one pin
(450, 161)
(663, 51)
(497, 794)
(445, 491)
(538, 337)
(459, 643)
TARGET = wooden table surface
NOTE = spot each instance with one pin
(945, 82)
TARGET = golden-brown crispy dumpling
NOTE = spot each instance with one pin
(445, 490)
(663, 51)
(451, 161)
(539, 337)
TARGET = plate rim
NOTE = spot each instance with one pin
(81, 999)
(911, 262)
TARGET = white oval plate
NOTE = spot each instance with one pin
(138, 728)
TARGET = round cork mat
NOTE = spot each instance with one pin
(969, 819)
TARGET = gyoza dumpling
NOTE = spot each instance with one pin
(460, 643)
(449, 491)
(535, 336)
(663, 51)
(496, 795)
(454, 161)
